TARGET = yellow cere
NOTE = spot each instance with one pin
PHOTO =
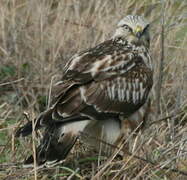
(138, 29)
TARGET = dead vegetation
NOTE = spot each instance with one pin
(36, 39)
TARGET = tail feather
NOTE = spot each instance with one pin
(24, 130)
(53, 148)
(27, 129)
(58, 137)
(44, 118)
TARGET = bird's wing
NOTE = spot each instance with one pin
(106, 80)
(96, 64)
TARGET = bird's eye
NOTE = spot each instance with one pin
(127, 27)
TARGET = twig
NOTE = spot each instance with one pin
(119, 149)
(73, 174)
(17, 164)
(11, 82)
(34, 149)
(50, 90)
(137, 157)
(164, 118)
(160, 73)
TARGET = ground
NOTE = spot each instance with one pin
(38, 37)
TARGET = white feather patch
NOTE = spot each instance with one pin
(137, 95)
(134, 97)
(82, 92)
(75, 60)
(74, 127)
(97, 64)
(142, 91)
(113, 91)
(128, 68)
(124, 83)
(127, 95)
(109, 92)
(137, 83)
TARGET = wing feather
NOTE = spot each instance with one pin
(109, 79)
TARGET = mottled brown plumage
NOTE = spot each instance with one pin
(104, 83)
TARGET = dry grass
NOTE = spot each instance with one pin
(36, 39)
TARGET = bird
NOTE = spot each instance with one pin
(100, 87)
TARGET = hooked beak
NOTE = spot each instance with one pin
(138, 32)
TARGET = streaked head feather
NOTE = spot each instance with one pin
(133, 21)
(134, 30)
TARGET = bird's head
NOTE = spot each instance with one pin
(134, 29)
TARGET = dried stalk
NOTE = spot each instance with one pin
(161, 65)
